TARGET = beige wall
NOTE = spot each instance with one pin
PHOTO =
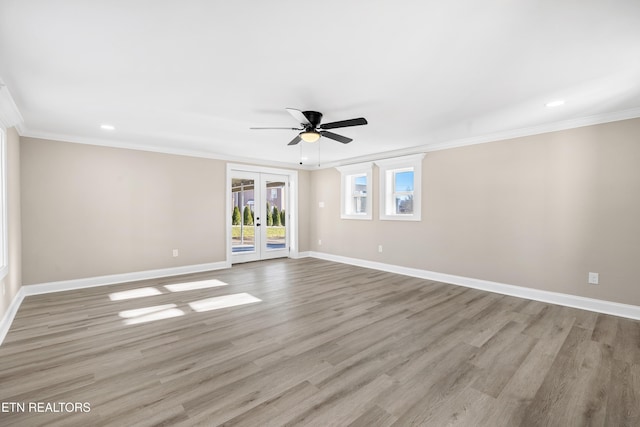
(539, 212)
(304, 204)
(90, 211)
(13, 280)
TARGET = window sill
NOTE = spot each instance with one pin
(365, 217)
(399, 218)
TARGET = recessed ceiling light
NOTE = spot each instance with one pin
(107, 127)
(555, 103)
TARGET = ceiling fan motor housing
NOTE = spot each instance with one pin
(314, 118)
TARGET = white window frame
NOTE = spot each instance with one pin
(4, 238)
(388, 169)
(347, 175)
(9, 117)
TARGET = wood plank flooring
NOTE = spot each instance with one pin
(327, 345)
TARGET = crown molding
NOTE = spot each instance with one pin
(437, 146)
(23, 131)
(401, 160)
(493, 137)
(9, 114)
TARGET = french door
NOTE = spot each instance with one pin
(259, 220)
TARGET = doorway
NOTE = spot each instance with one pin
(261, 215)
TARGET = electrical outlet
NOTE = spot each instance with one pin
(321, 205)
(319, 242)
(593, 278)
(175, 252)
(380, 248)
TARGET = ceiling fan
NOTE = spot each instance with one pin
(311, 129)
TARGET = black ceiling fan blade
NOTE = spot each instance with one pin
(299, 116)
(295, 140)
(345, 123)
(260, 128)
(336, 137)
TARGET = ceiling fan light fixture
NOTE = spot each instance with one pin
(309, 136)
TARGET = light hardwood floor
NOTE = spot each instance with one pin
(327, 345)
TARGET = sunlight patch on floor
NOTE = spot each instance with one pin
(148, 314)
(191, 286)
(225, 301)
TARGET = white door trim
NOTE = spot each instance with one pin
(292, 202)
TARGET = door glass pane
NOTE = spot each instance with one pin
(276, 214)
(242, 223)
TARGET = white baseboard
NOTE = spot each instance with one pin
(90, 282)
(298, 255)
(599, 306)
(590, 304)
(7, 319)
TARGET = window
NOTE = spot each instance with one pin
(4, 262)
(400, 188)
(355, 195)
(9, 117)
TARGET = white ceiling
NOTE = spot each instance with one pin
(192, 76)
